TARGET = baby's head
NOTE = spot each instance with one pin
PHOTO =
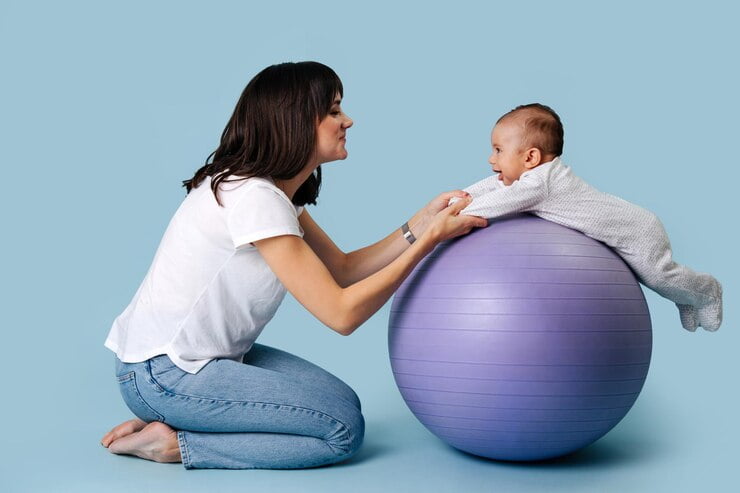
(524, 138)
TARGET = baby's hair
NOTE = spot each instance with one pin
(542, 127)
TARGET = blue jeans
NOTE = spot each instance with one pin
(272, 411)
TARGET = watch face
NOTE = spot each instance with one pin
(407, 233)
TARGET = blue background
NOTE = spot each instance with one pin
(106, 106)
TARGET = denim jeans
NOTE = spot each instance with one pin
(271, 411)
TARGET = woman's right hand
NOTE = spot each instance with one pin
(449, 223)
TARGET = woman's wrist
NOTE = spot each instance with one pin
(419, 223)
(429, 236)
(427, 242)
(417, 232)
(407, 234)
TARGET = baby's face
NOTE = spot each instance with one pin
(507, 156)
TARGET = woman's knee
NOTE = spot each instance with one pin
(349, 436)
(357, 433)
(349, 394)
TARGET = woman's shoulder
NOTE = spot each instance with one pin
(234, 186)
(236, 192)
(239, 188)
(233, 183)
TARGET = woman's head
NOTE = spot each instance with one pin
(274, 128)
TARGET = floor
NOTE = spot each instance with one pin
(679, 436)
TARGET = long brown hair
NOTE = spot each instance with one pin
(272, 132)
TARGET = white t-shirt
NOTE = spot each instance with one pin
(208, 293)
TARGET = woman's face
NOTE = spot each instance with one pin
(331, 134)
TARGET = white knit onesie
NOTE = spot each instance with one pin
(551, 191)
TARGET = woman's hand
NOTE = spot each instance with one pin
(448, 223)
(422, 219)
(441, 201)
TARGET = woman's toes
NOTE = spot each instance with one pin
(156, 441)
(125, 428)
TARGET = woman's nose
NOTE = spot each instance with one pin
(348, 122)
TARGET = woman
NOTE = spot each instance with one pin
(186, 361)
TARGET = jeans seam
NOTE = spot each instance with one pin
(137, 394)
(345, 429)
(150, 376)
(251, 403)
(125, 377)
(184, 455)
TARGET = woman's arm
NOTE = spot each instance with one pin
(344, 309)
(348, 268)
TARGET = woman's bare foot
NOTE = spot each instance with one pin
(125, 428)
(156, 441)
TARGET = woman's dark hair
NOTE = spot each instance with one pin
(272, 132)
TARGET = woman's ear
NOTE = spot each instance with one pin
(533, 158)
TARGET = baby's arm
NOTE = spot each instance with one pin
(495, 201)
(481, 187)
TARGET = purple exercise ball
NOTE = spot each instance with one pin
(522, 341)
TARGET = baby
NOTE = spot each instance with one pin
(527, 143)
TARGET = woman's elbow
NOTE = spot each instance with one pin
(343, 331)
(342, 313)
(345, 323)
(344, 328)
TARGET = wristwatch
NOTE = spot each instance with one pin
(407, 233)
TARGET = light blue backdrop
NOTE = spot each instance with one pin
(106, 106)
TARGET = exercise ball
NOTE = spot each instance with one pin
(521, 341)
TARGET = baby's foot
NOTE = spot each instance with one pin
(709, 316)
(688, 317)
(156, 441)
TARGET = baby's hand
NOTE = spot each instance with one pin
(453, 200)
(444, 200)
(449, 223)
